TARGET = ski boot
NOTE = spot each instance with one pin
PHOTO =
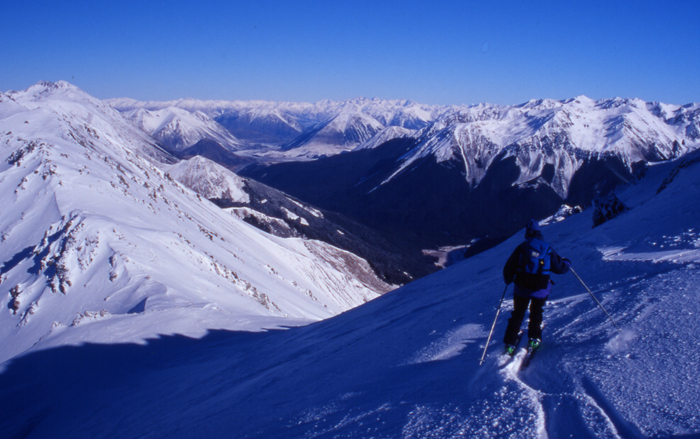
(534, 343)
(510, 349)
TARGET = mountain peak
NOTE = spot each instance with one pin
(51, 87)
(58, 91)
(540, 104)
(581, 99)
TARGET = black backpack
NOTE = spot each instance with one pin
(534, 265)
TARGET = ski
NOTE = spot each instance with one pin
(528, 357)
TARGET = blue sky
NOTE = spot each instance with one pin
(437, 52)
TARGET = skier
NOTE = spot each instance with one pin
(529, 266)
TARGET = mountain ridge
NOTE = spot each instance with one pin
(484, 170)
(293, 123)
(93, 229)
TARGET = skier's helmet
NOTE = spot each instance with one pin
(532, 228)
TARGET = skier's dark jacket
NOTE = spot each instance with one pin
(558, 265)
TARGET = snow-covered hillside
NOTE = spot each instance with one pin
(388, 133)
(559, 134)
(93, 231)
(406, 365)
(209, 180)
(281, 215)
(178, 129)
(343, 132)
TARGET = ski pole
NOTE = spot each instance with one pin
(493, 326)
(594, 298)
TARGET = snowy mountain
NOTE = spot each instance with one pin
(281, 215)
(341, 133)
(178, 129)
(325, 127)
(562, 134)
(94, 231)
(480, 172)
(627, 127)
(407, 363)
(388, 133)
(261, 124)
(210, 180)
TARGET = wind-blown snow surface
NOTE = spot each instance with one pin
(405, 365)
(94, 233)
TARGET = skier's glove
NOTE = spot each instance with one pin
(566, 262)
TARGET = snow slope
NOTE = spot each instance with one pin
(405, 365)
(343, 132)
(93, 230)
(209, 179)
(281, 215)
(179, 129)
(562, 134)
(388, 133)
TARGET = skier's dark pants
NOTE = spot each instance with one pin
(534, 328)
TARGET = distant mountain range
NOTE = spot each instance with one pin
(434, 176)
(339, 126)
(302, 130)
(480, 173)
